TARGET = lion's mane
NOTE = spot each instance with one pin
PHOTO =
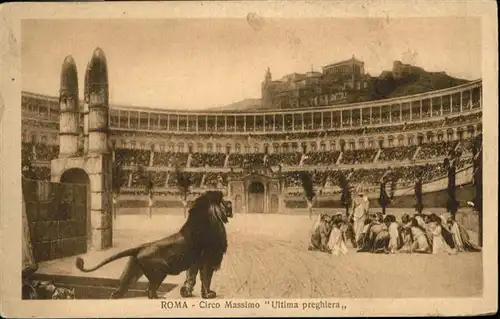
(205, 228)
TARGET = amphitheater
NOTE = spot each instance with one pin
(254, 157)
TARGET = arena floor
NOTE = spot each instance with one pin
(268, 257)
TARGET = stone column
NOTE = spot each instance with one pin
(98, 158)
(86, 100)
(69, 114)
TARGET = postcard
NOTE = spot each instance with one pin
(200, 159)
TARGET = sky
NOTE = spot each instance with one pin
(205, 63)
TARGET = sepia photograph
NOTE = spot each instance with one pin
(253, 161)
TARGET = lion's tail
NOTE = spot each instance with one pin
(125, 253)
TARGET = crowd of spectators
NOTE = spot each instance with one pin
(27, 151)
(321, 158)
(170, 159)
(210, 159)
(397, 153)
(132, 157)
(467, 145)
(254, 160)
(45, 152)
(36, 172)
(464, 118)
(358, 156)
(236, 160)
(215, 180)
(39, 151)
(433, 150)
(285, 159)
(403, 176)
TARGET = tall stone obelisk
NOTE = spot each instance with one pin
(95, 162)
(85, 111)
(98, 155)
(69, 114)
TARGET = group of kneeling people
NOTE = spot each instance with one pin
(420, 233)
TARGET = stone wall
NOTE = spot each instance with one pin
(57, 217)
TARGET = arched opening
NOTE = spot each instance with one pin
(256, 197)
(420, 138)
(75, 183)
(381, 143)
(75, 176)
(237, 204)
(342, 145)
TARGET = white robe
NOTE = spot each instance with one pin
(336, 242)
(439, 245)
(361, 205)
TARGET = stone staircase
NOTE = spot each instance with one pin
(340, 158)
(226, 161)
(151, 158)
(416, 153)
(166, 179)
(375, 159)
(202, 183)
(302, 159)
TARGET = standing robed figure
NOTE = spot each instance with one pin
(360, 210)
(384, 199)
(419, 205)
(345, 196)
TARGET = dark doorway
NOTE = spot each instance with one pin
(75, 187)
(256, 198)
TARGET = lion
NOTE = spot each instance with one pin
(200, 244)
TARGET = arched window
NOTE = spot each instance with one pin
(180, 147)
(352, 145)
(401, 140)
(361, 143)
(411, 140)
(470, 131)
(276, 148)
(390, 140)
(285, 147)
(370, 143)
(449, 133)
(313, 146)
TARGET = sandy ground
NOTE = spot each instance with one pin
(268, 257)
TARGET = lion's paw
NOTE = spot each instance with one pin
(186, 292)
(209, 295)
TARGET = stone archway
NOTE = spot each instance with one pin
(77, 181)
(256, 197)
